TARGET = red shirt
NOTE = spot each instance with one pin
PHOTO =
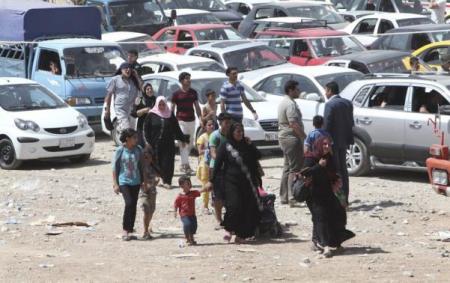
(185, 203)
(185, 104)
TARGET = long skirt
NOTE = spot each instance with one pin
(165, 152)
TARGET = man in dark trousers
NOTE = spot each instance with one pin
(339, 122)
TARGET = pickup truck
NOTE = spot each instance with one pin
(146, 16)
(51, 45)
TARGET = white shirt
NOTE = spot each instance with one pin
(438, 13)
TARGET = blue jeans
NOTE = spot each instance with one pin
(189, 224)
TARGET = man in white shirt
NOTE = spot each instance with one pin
(438, 11)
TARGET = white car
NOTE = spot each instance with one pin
(243, 7)
(252, 59)
(37, 124)
(193, 16)
(143, 43)
(264, 132)
(367, 29)
(173, 62)
(312, 81)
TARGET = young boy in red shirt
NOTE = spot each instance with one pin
(185, 204)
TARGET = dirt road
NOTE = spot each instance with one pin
(395, 215)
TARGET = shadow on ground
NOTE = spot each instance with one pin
(361, 251)
(367, 207)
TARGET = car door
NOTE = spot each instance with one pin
(365, 31)
(418, 129)
(381, 117)
(301, 52)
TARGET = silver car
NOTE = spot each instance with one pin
(392, 120)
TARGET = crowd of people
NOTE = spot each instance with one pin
(228, 162)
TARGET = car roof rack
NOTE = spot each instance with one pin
(303, 23)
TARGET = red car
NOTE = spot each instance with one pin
(310, 46)
(180, 38)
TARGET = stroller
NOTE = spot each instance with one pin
(268, 224)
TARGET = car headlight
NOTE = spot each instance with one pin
(82, 121)
(26, 125)
(440, 177)
(249, 123)
(78, 101)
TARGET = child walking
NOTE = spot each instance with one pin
(127, 172)
(185, 205)
(203, 160)
(148, 190)
(313, 135)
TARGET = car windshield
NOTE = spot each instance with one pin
(414, 21)
(217, 34)
(144, 45)
(203, 85)
(253, 58)
(197, 19)
(28, 97)
(320, 12)
(325, 47)
(92, 61)
(133, 13)
(208, 5)
(342, 79)
(385, 6)
(440, 35)
(203, 66)
(393, 65)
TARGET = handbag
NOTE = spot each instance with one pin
(108, 123)
(301, 188)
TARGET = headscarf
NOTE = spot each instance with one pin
(317, 148)
(166, 113)
(237, 144)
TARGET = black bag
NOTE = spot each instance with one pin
(108, 123)
(301, 188)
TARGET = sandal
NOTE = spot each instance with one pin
(147, 236)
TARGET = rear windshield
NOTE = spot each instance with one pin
(197, 19)
(414, 21)
(342, 79)
(394, 65)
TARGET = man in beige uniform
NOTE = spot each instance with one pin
(291, 135)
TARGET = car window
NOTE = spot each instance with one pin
(172, 86)
(280, 13)
(319, 12)
(185, 40)
(391, 97)
(150, 68)
(397, 42)
(384, 26)
(359, 98)
(306, 85)
(427, 100)
(282, 46)
(168, 35)
(206, 54)
(435, 55)
(420, 39)
(342, 79)
(386, 6)
(243, 8)
(264, 13)
(48, 61)
(414, 21)
(366, 26)
(253, 58)
(217, 34)
(274, 84)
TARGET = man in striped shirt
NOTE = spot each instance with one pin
(232, 94)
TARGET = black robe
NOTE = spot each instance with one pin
(144, 102)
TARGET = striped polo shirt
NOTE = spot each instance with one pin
(231, 94)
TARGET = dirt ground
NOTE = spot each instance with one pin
(395, 215)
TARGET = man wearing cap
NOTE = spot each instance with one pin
(124, 92)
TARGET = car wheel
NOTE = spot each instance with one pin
(357, 159)
(115, 134)
(80, 159)
(8, 158)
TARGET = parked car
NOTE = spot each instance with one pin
(368, 28)
(308, 9)
(391, 126)
(145, 16)
(312, 81)
(173, 62)
(192, 16)
(216, 7)
(243, 7)
(373, 61)
(252, 59)
(37, 124)
(411, 38)
(180, 38)
(430, 54)
(262, 132)
(143, 43)
(391, 6)
(310, 46)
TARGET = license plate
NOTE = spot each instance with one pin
(69, 142)
(271, 136)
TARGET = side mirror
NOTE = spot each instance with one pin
(262, 93)
(313, 97)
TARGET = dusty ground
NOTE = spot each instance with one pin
(395, 215)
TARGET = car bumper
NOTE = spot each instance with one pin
(42, 146)
(262, 139)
